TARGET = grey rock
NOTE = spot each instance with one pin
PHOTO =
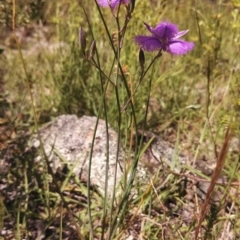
(68, 140)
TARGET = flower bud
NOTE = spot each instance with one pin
(141, 58)
(82, 40)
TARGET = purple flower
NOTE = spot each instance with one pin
(112, 3)
(165, 36)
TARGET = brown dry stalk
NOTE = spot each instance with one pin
(214, 178)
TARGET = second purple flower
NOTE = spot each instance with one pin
(112, 3)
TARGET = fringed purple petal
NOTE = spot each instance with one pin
(148, 43)
(106, 3)
(179, 47)
(165, 30)
(111, 3)
(180, 34)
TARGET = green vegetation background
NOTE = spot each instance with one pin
(196, 95)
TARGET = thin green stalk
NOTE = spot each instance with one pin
(124, 202)
(107, 140)
(26, 183)
(122, 74)
(119, 126)
(121, 70)
(61, 223)
(18, 222)
(148, 100)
